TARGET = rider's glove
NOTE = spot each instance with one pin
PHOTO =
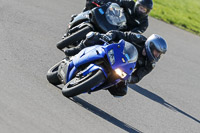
(106, 38)
(93, 35)
(92, 38)
(97, 36)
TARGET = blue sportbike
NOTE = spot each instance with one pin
(94, 68)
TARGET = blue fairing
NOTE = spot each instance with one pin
(122, 60)
(84, 56)
(124, 66)
(93, 67)
(88, 54)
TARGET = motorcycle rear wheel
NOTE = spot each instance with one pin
(77, 36)
(77, 86)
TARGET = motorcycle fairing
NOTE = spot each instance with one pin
(88, 54)
(93, 67)
(121, 60)
(84, 16)
(96, 52)
(100, 20)
(85, 56)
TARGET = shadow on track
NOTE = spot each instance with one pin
(160, 100)
(103, 114)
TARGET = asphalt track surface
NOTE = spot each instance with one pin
(167, 100)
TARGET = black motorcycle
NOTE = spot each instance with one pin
(101, 19)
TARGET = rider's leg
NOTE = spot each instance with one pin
(118, 90)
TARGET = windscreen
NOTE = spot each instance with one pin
(115, 15)
(130, 52)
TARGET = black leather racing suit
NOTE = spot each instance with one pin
(134, 24)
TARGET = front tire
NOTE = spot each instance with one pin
(77, 36)
(75, 87)
(52, 74)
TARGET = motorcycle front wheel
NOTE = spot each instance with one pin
(52, 74)
(77, 36)
(77, 86)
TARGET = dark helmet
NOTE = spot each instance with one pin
(142, 8)
(155, 46)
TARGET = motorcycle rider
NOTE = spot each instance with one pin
(149, 52)
(136, 12)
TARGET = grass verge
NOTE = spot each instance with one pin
(181, 13)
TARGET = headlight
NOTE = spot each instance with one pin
(120, 73)
(111, 56)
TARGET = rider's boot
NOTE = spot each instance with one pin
(92, 38)
(74, 50)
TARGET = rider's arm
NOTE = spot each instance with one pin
(142, 27)
(140, 73)
(127, 36)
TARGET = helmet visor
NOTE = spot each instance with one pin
(142, 9)
(156, 54)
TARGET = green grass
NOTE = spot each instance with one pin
(181, 13)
